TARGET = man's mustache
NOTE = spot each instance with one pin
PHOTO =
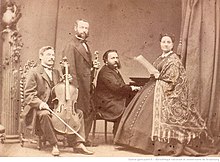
(84, 34)
(116, 63)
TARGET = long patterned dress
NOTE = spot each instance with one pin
(161, 111)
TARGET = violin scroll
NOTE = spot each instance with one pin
(96, 63)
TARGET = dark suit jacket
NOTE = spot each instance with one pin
(110, 93)
(80, 62)
(37, 90)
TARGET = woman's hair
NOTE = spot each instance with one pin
(172, 36)
(105, 55)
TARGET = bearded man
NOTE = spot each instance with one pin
(111, 91)
(81, 65)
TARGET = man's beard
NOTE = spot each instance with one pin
(112, 66)
(83, 35)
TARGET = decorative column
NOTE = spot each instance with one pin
(12, 45)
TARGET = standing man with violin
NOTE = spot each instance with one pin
(81, 69)
(38, 99)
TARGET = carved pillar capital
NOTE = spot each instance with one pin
(11, 15)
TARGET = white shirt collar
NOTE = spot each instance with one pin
(47, 67)
(166, 54)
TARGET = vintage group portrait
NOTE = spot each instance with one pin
(137, 79)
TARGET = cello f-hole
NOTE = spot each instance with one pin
(60, 108)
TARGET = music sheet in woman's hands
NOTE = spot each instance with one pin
(146, 64)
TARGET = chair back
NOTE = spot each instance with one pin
(23, 72)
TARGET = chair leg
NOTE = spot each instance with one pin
(106, 131)
(21, 139)
(43, 141)
(39, 143)
(93, 130)
(65, 143)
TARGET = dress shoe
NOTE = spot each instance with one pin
(90, 144)
(55, 151)
(80, 148)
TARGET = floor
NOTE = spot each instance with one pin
(103, 150)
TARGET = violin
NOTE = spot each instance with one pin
(95, 68)
(64, 119)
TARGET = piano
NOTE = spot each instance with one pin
(136, 81)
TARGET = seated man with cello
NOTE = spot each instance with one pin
(39, 94)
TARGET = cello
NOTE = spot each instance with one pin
(64, 113)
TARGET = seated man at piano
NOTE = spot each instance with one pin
(38, 114)
(111, 90)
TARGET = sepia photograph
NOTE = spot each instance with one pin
(127, 80)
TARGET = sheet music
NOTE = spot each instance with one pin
(146, 64)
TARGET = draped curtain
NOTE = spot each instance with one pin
(199, 50)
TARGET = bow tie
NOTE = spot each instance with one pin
(48, 67)
(83, 41)
(80, 39)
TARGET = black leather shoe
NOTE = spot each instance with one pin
(90, 144)
(80, 148)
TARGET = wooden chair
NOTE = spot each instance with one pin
(25, 134)
(98, 117)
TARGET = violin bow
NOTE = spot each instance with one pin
(67, 125)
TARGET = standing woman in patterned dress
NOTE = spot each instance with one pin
(161, 114)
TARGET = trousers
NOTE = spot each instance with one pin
(46, 128)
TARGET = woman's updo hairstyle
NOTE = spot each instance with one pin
(172, 36)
